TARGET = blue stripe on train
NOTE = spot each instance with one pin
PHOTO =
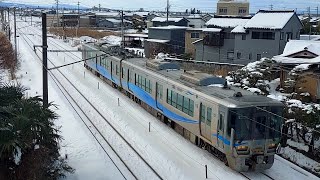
(226, 141)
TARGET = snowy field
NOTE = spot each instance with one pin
(170, 155)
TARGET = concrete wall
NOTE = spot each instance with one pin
(233, 8)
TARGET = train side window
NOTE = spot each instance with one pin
(174, 99)
(159, 91)
(180, 102)
(186, 103)
(221, 122)
(191, 108)
(135, 78)
(209, 114)
(122, 73)
(203, 113)
(117, 70)
(150, 87)
(169, 100)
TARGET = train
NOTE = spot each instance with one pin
(241, 128)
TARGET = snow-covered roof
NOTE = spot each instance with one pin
(164, 19)
(269, 20)
(169, 27)
(157, 40)
(238, 29)
(211, 30)
(107, 14)
(295, 46)
(226, 22)
(137, 35)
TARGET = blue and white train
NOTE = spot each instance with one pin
(241, 128)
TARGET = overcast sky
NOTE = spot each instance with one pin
(204, 5)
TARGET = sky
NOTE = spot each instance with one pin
(203, 5)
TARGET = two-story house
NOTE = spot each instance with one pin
(233, 7)
(247, 40)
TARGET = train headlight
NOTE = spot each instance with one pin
(242, 148)
(272, 146)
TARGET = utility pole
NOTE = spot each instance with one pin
(31, 15)
(57, 2)
(45, 60)
(309, 23)
(78, 15)
(168, 6)
(317, 8)
(9, 29)
(15, 35)
(122, 30)
(99, 7)
(271, 6)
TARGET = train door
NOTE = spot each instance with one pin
(220, 130)
(128, 78)
(159, 95)
(205, 121)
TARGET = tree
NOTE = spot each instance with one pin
(27, 130)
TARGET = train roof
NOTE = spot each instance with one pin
(205, 83)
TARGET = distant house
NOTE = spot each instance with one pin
(306, 56)
(233, 7)
(245, 40)
(135, 40)
(113, 23)
(162, 21)
(196, 21)
(167, 39)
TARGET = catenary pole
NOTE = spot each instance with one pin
(15, 34)
(45, 60)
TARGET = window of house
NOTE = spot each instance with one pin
(268, 35)
(242, 10)
(244, 36)
(250, 56)
(239, 55)
(255, 35)
(258, 57)
(297, 35)
(288, 36)
(230, 55)
(281, 35)
(223, 10)
(195, 35)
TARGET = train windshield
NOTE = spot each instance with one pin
(256, 123)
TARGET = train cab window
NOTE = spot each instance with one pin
(209, 114)
(203, 113)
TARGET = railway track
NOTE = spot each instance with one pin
(133, 150)
(260, 175)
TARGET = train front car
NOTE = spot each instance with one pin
(255, 133)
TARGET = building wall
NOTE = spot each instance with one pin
(189, 46)
(196, 23)
(232, 7)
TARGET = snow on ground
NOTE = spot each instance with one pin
(137, 51)
(169, 153)
(112, 39)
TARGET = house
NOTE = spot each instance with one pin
(111, 23)
(195, 35)
(246, 40)
(233, 7)
(167, 39)
(163, 21)
(303, 55)
(196, 21)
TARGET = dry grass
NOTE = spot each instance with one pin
(71, 32)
